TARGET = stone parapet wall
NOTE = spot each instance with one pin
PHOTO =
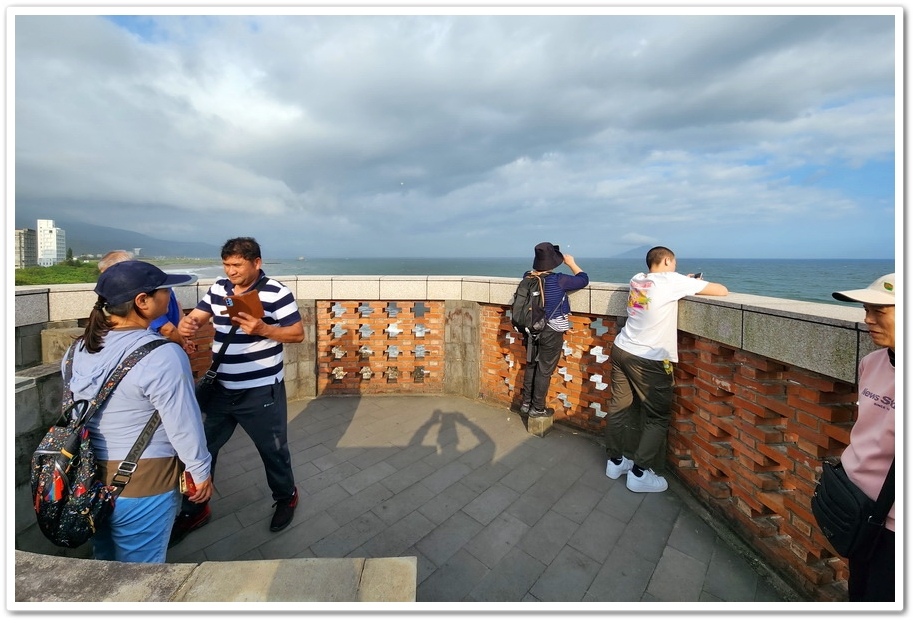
(765, 388)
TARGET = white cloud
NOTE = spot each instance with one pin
(423, 134)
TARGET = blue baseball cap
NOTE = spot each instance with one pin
(125, 280)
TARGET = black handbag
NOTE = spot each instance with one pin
(206, 386)
(849, 519)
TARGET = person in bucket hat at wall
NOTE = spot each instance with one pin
(870, 452)
(549, 343)
(131, 295)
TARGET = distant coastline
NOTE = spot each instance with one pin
(803, 280)
(183, 261)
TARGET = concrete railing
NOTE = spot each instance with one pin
(765, 387)
(41, 580)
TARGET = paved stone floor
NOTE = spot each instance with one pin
(491, 512)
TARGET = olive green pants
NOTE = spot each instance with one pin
(642, 394)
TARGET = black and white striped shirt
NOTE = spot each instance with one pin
(250, 360)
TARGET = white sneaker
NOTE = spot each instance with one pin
(649, 482)
(616, 471)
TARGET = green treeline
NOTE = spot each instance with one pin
(71, 271)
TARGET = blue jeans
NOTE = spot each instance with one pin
(138, 529)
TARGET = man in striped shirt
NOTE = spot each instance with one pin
(249, 387)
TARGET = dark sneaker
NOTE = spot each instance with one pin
(186, 522)
(284, 513)
(523, 408)
(540, 412)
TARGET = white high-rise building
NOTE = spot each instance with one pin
(52, 243)
(26, 248)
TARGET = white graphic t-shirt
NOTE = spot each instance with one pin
(651, 328)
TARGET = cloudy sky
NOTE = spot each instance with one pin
(451, 135)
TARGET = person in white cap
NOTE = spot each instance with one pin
(868, 457)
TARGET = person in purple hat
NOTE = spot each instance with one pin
(131, 295)
(548, 345)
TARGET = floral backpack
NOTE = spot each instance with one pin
(70, 500)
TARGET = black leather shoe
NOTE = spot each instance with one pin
(187, 522)
(285, 511)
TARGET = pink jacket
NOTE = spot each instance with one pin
(871, 441)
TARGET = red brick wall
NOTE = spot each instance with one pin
(341, 365)
(747, 433)
(749, 436)
(572, 394)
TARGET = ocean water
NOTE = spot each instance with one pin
(801, 280)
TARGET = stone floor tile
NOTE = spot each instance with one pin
(623, 577)
(730, 577)
(567, 577)
(577, 502)
(510, 580)
(693, 536)
(398, 537)
(450, 536)
(403, 503)
(597, 535)
(453, 580)
(677, 577)
(489, 504)
(347, 538)
(548, 536)
(349, 509)
(497, 539)
(448, 502)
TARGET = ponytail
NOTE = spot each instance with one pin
(98, 325)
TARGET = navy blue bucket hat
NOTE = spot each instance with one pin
(547, 256)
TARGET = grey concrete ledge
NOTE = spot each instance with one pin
(821, 337)
(43, 579)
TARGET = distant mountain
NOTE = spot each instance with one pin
(84, 238)
(638, 252)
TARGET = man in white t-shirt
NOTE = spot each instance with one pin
(642, 375)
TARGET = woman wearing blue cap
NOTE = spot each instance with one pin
(131, 295)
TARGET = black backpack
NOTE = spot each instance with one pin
(527, 311)
(70, 500)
